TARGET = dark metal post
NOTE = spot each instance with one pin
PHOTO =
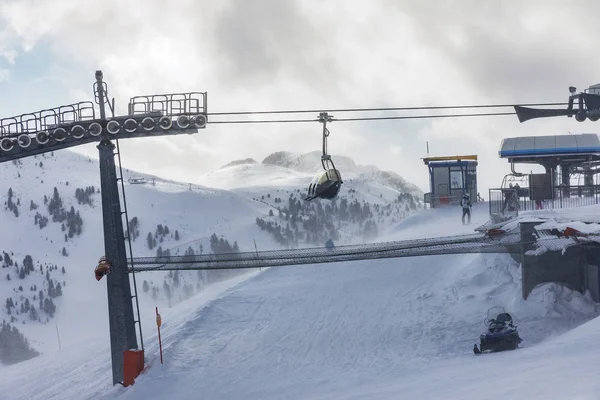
(100, 93)
(432, 183)
(120, 307)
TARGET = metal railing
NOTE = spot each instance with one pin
(458, 244)
(44, 120)
(511, 201)
(173, 104)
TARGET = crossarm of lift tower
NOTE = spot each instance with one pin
(80, 123)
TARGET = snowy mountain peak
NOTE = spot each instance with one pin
(311, 163)
(240, 162)
(308, 162)
(285, 168)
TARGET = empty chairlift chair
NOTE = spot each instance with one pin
(326, 184)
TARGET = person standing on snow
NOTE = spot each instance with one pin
(466, 208)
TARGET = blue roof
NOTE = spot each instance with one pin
(586, 143)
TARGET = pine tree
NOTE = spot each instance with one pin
(49, 307)
(150, 241)
(51, 289)
(167, 290)
(15, 348)
(28, 263)
(33, 315)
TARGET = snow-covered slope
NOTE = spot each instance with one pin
(399, 328)
(192, 214)
(304, 332)
(193, 211)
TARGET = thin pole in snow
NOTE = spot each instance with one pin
(158, 324)
(256, 249)
(58, 337)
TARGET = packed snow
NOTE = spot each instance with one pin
(383, 329)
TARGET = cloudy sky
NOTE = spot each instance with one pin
(307, 54)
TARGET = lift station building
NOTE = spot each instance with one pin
(450, 178)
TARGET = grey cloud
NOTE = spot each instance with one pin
(267, 54)
(501, 56)
(265, 40)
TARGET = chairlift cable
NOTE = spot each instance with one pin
(422, 116)
(375, 109)
(382, 118)
(263, 121)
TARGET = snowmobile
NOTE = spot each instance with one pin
(500, 335)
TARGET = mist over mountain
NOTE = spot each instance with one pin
(239, 162)
(310, 163)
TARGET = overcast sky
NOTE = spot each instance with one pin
(275, 54)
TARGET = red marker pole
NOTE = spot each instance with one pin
(158, 323)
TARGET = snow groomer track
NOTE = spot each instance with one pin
(503, 242)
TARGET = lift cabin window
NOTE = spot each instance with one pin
(456, 179)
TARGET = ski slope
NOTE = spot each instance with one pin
(196, 211)
(365, 330)
(438, 222)
(400, 328)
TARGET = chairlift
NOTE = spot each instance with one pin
(326, 184)
(517, 181)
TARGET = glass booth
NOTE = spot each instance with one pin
(450, 178)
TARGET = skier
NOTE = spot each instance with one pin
(466, 208)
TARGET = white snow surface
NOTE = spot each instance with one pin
(383, 329)
(196, 213)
